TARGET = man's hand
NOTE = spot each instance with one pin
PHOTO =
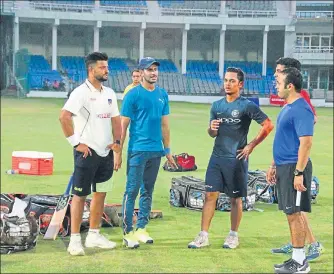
(214, 125)
(271, 176)
(114, 147)
(245, 152)
(298, 183)
(170, 160)
(315, 119)
(84, 149)
(117, 160)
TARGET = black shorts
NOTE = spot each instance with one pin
(90, 171)
(286, 194)
(227, 175)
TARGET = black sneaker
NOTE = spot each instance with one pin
(291, 266)
(276, 266)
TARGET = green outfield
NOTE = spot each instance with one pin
(32, 124)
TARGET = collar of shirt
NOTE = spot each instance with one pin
(92, 88)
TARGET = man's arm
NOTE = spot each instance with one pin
(65, 119)
(307, 98)
(213, 129)
(304, 152)
(266, 127)
(166, 140)
(165, 131)
(303, 156)
(125, 121)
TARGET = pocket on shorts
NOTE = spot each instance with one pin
(87, 162)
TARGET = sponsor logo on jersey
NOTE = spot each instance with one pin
(104, 115)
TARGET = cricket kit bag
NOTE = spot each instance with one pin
(184, 162)
(265, 193)
(189, 192)
(18, 229)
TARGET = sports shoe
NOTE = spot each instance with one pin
(285, 249)
(75, 248)
(231, 242)
(314, 251)
(142, 236)
(291, 266)
(130, 241)
(97, 240)
(276, 266)
(200, 241)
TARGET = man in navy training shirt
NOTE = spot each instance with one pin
(227, 172)
(291, 168)
(146, 109)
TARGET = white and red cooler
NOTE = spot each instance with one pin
(32, 162)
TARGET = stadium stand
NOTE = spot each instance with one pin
(39, 71)
(189, 8)
(202, 77)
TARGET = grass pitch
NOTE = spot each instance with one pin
(32, 124)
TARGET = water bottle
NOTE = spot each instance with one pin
(13, 171)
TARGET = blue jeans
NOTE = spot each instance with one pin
(142, 172)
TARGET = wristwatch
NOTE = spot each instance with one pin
(118, 142)
(297, 172)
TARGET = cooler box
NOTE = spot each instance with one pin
(33, 162)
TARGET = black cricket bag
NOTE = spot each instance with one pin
(265, 193)
(187, 191)
(248, 203)
(314, 189)
(18, 229)
(184, 162)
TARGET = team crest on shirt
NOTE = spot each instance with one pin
(109, 101)
(235, 113)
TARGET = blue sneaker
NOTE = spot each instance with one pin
(285, 249)
(314, 251)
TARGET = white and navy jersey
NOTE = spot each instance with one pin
(235, 118)
(92, 112)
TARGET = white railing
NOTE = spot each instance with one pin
(7, 6)
(314, 14)
(189, 12)
(124, 10)
(314, 49)
(56, 6)
(252, 13)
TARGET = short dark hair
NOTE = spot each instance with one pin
(93, 57)
(239, 72)
(288, 62)
(293, 76)
(135, 70)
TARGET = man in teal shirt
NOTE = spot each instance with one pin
(146, 109)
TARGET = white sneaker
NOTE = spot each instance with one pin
(142, 236)
(97, 240)
(130, 241)
(200, 241)
(75, 248)
(231, 242)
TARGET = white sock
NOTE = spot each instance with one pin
(76, 237)
(204, 233)
(298, 254)
(233, 233)
(94, 231)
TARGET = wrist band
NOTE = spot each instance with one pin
(274, 167)
(118, 142)
(73, 140)
(167, 150)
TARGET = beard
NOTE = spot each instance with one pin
(148, 80)
(101, 78)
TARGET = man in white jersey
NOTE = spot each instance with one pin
(92, 109)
